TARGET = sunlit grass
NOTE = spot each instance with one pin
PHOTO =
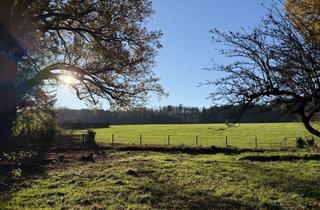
(244, 135)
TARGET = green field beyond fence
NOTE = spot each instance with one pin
(250, 135)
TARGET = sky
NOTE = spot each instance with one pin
(188, 47)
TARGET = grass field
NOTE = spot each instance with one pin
(149, 180)
(127, 179)
(267, 134)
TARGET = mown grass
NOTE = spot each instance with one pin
(267, 134)
(149, 180)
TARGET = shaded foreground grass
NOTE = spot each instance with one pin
(152, 180)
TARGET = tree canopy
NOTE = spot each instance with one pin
(103, 45)
(273, 64)
(305, 14)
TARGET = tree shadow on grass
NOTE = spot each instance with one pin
(184, 149)
(18, 166)
(284, 180)
(165, 196)
(275, 158)
(23, 163)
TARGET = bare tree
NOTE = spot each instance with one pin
(103, 44)
(273, 64)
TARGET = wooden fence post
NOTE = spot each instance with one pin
(57, 140)
(256, 141)
(71, 133)
(140, 139)
(83, 138)
(112, 139)
(168, 139)
(61, 139)
(226, 141)
(197, 140)
(27, 141)
(285, 142)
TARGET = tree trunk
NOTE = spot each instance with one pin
(8, 97)
(307, 124)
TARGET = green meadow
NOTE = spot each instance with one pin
(268, 135)
(126, 179)
(149, 180)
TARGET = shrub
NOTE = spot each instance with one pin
(300, 143)
(310, 141)
(307, 141)
(91, 135)
(35, 125)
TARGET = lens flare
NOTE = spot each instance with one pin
(68, 80)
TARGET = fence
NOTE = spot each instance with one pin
(60, 140)
(78, 139)
(71, 139)
(198, 140)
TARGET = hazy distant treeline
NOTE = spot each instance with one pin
(175, 114)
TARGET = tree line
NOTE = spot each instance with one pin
(177, 114)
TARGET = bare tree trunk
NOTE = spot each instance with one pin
(307, 124)
(8, 97)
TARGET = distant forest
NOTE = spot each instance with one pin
(176, 114)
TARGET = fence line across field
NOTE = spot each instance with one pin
(248, 141)
(198, 140)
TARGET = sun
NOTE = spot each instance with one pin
(68, 79)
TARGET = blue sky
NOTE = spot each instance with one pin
(187, 46)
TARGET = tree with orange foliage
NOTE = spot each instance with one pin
(305, 14)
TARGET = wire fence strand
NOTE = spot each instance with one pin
(199, 140)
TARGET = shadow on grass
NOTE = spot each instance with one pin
(272, 158)
(169, 196)
(165, 193)
(184, 149)
(18, 164)
(284, 180)
(17, 167)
